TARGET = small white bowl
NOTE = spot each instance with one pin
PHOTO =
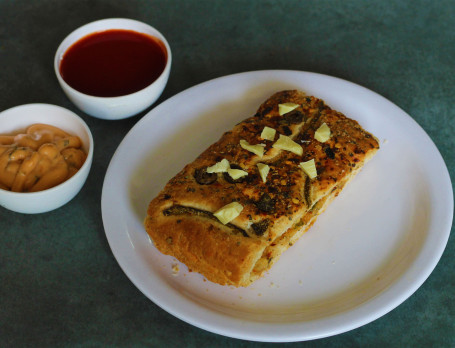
(113, 108)
(17, 119)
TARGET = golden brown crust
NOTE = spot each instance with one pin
(180, 219)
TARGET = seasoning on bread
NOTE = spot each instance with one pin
(231, 228)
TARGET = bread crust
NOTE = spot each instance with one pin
(180, 219)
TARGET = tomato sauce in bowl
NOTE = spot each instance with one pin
(113, 68)
(113, 62)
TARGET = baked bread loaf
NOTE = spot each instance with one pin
(231, 213)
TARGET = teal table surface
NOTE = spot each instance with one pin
(60, 285)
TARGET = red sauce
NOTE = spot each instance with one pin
(113, 63)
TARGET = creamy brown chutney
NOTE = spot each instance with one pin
(42, 157)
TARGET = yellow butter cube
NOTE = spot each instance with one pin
(322, 134)
(286, 107)
(257, 149)
(268, 133)
(286, 143)
(229, 212)
(263, 171)
(309, 167)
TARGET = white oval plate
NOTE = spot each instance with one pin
(371, 249)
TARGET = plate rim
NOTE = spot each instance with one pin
(349, 325)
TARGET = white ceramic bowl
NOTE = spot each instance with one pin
(113, 108)
(16, 120)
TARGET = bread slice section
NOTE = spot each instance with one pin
(275, 210)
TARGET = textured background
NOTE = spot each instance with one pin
(59, 282)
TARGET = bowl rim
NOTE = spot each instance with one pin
(60, 53)
(80, 172)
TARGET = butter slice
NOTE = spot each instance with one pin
(236, 173)
(322, 134)
(268, 133)
(286, 107)
(257, 149)
(219, 167)
(286, 143)
(263, 171)
(229, 212)
(309, 167)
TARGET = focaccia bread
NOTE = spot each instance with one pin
(232, 229)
